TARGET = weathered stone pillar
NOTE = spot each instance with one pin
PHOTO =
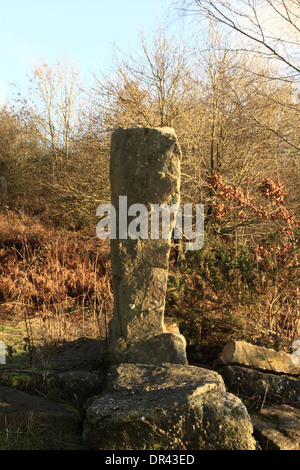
(145, 167)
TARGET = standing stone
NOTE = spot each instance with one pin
(145, 167)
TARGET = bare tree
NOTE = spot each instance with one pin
(147, 88)
(271, 26)
(270, 29)
(73, 158)
(19, 152)
(52, 105)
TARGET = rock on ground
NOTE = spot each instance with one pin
(273, 387)
(277, 427)
(17, 407)
(273, 378)
(170, 406)
(80, 354)
(246, 354)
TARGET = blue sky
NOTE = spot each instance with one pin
(31, 30)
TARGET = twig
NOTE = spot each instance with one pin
(266, 391)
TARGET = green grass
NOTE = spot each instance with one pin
(30, 435)
(17, 339)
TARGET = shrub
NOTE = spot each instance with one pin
(243, 284)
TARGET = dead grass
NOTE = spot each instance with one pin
(59, 278)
